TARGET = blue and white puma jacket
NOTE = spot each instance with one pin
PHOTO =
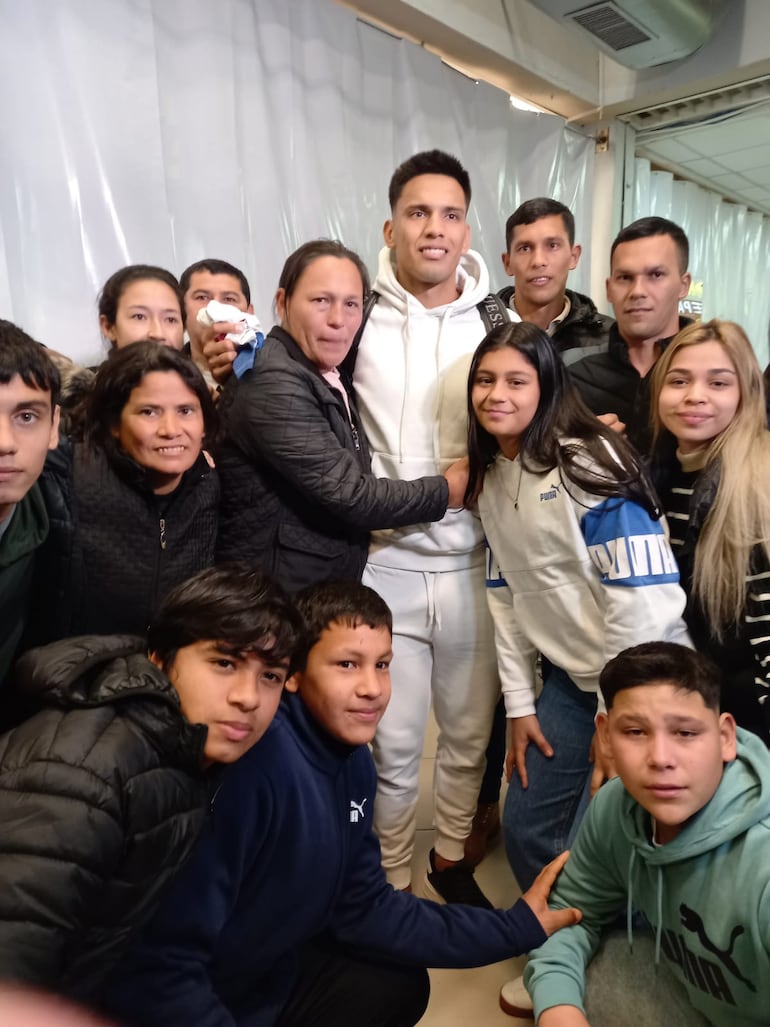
(574, 576)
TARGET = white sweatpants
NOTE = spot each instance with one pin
(443, 645)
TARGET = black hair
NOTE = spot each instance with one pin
(116, 284)
(662, 662)
(644, 228)
(535, 210)
(214, 267)
(429, 162)
(339, 602)
(299, 261)
(241, 609)
(561, 415)
(122, 372)
(21, 355)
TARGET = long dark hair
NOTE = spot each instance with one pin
(563, 432)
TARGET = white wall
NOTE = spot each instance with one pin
(162, 131)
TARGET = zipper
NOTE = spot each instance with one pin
(163, 533)
(356, 441)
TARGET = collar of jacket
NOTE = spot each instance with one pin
(136, 476)
(323, 751)
(288, 342)
(619, 350)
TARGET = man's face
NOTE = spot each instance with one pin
(346, 682)
(428, 234)
(540, 258)
(236, 695)
(28, 429)
(669, 750)
(205, 287)
(645, 286)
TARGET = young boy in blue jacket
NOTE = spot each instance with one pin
(283, 914)
(682, 834)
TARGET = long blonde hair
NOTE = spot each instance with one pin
(739, 518)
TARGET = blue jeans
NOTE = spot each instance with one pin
(540, 821)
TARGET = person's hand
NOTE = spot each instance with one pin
(523, 731)
(562, 1016)
(613, 422)
(219, 351)
(536, 898)
(604, 766)
(457, 479)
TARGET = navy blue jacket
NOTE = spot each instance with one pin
(288, 852)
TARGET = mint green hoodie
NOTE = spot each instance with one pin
(706, 895)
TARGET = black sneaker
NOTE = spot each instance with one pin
(457, 884)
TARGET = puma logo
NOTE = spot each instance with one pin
(692, 922)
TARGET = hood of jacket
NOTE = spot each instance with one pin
(472, 280)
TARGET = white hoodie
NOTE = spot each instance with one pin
(411, 382)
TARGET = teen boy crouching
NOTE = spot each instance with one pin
(103, 792)
(283, 914)
(682, 835)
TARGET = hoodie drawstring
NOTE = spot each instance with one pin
(630, 900)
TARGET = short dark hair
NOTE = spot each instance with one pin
(214, 267)
(534, 210)
(644, 228)
(298, 262)
(429, 162)
(21, 355)
(116, 284)
(122, 372)
(339, 602)
(667, 662)
(240, 608)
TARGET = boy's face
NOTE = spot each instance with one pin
(204, 287)
(346, 682)
(235, 695)
(669, 750)
(27, 431)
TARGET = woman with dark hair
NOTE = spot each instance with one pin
(298, 495)
(141, 302)
(580, 568)
(133, 508)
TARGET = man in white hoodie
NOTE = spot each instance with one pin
(411, 377)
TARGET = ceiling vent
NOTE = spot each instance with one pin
(640, 33)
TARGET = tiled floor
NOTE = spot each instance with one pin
(465, 998)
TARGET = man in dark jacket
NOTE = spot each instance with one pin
(29, 427)
(103, 792)
(648, 278)
(283, 915)
(540, 252)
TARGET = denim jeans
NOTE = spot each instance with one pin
(540, 821)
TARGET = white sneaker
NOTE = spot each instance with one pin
(515, 1000)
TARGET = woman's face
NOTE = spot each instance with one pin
(505, 396)
(700, 394)
(161, 428)
(324, 312)
(147, 309)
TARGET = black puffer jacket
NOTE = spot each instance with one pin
(101, 798)
(609, 383)
(298, 495)
(583, 326)
(114, 548)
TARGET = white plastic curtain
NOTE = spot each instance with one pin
(728, 248)
(163, 131)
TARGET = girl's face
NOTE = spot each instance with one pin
(147, 309)
(161, 428)
(505, 396)
(324, 311)
(700, 395)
